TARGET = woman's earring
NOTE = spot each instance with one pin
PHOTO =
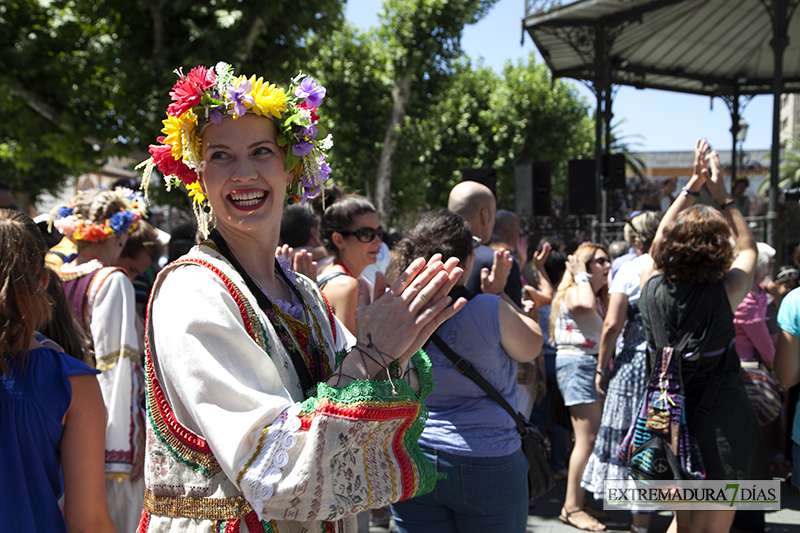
(206, 207)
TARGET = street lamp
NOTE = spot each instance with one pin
(741, 135)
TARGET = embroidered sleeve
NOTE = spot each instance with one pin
(117, 352)
(341, 452)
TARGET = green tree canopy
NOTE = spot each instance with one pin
(85, 79)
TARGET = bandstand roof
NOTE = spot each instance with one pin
(705, 47)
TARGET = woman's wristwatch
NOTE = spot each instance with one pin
(582, 276)
(601, 372)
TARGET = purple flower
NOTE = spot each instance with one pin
(239, 95)
(312, 92)
(215, 115)
(309, 133)
(324, 171)
(308, 194)
(301, 148)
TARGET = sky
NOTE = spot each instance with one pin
(664, 120)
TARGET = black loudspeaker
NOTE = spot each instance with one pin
(532, 189)
(614, 171)
(486, 176)
(582, 187)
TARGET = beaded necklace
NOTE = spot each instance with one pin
(310, 360)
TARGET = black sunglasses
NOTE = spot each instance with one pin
(601, 260)
(365, 234)
(476, 242)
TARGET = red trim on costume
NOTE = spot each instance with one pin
(228, 285)
(187, 437)
(330, 527)
(119, 456)
(184, 435)
(232, 526)
(253, 523)
(143, 522)
(406, 412)
(333, 322)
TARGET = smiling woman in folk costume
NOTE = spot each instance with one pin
(264, 414)
(103, 299)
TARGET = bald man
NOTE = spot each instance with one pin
(506, 227)
(476, 203)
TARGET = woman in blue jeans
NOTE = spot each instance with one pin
(468, 436)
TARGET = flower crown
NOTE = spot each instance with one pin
(207, 95)
(78, 229)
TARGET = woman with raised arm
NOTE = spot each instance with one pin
(576, 321)
(52, 419)
(695, 266)
(264, 413)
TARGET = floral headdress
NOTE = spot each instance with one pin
(76, 228)
(207, 95)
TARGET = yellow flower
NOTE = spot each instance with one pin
(177, 130)
(270, 99)
(196, 192)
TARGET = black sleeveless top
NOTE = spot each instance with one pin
(730, 440)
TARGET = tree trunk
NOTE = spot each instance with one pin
(383, 182)
(158, 34)
(256, 29)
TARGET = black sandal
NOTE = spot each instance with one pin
(566, 519)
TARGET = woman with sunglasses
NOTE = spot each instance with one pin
(351, 233)
(576, 324)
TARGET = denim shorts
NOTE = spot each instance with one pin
(575, 377)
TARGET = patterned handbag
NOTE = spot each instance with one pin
(763, 391)
(658, 445)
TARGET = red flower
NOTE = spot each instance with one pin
(314, 117)
(162, 155)
(188, 90)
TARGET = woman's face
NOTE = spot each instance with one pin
(355, 250)
(244, 176)
(599, 266)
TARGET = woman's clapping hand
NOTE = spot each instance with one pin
(399, 322)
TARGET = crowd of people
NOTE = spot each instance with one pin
(290, 367)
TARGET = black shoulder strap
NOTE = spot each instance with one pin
(467, 369)
(327, 277)
(306, 380)
(657, 323)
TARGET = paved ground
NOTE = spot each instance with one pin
(544, 517)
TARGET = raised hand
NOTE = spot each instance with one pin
(302, 262)
(714, 182)
(494, 281)
(522, 250)
(399, 322)
(700, 163)
(540, 258)
(575, 265)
